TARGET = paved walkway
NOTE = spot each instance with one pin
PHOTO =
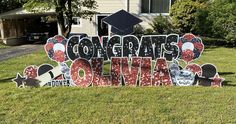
(15, 51)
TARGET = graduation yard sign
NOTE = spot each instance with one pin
(152, 60)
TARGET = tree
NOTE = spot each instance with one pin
(6, 5)
(65, 9)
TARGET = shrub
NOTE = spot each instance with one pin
(138, 29)
(216, 42)
(222, 15)
(189, 16)
(216, 19)
(148, 31)
(161, 25)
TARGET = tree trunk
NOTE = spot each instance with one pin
(65, 29)
(60, 16)
(69, 16)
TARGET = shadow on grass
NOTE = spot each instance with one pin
(5, 80)
(228, 84)
(226, 73)
(210, 48)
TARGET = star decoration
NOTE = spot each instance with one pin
(19, 80)
(217, 81)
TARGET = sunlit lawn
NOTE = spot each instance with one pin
(119, 105)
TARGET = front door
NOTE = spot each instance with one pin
(102, 27)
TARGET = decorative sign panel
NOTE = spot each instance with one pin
(152, 60)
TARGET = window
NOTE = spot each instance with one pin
(155, 6)
(76, 22)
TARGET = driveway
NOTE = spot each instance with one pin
(15, 51)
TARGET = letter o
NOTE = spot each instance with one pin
(76, 66)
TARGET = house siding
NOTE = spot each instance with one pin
(135, 8)
(110, 7)
(104, 7)
(87, 26)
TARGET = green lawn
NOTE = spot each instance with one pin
(119, 105)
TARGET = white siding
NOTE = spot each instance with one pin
(135, 8)
(112, 6)
(87, 26)
(104, 7)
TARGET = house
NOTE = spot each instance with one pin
(16, 24)
(143, 9)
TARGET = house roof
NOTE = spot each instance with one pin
(22, 13)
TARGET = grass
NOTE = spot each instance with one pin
(3, 46)
(122, 104)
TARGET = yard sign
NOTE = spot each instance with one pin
(152, 60)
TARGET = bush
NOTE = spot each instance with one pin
(161, 25)
(216, 19)
(148, 31)
(222, 15)
(216, 42)
(189, 16)
(138, 29)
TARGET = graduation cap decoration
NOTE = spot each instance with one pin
(122, 22)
